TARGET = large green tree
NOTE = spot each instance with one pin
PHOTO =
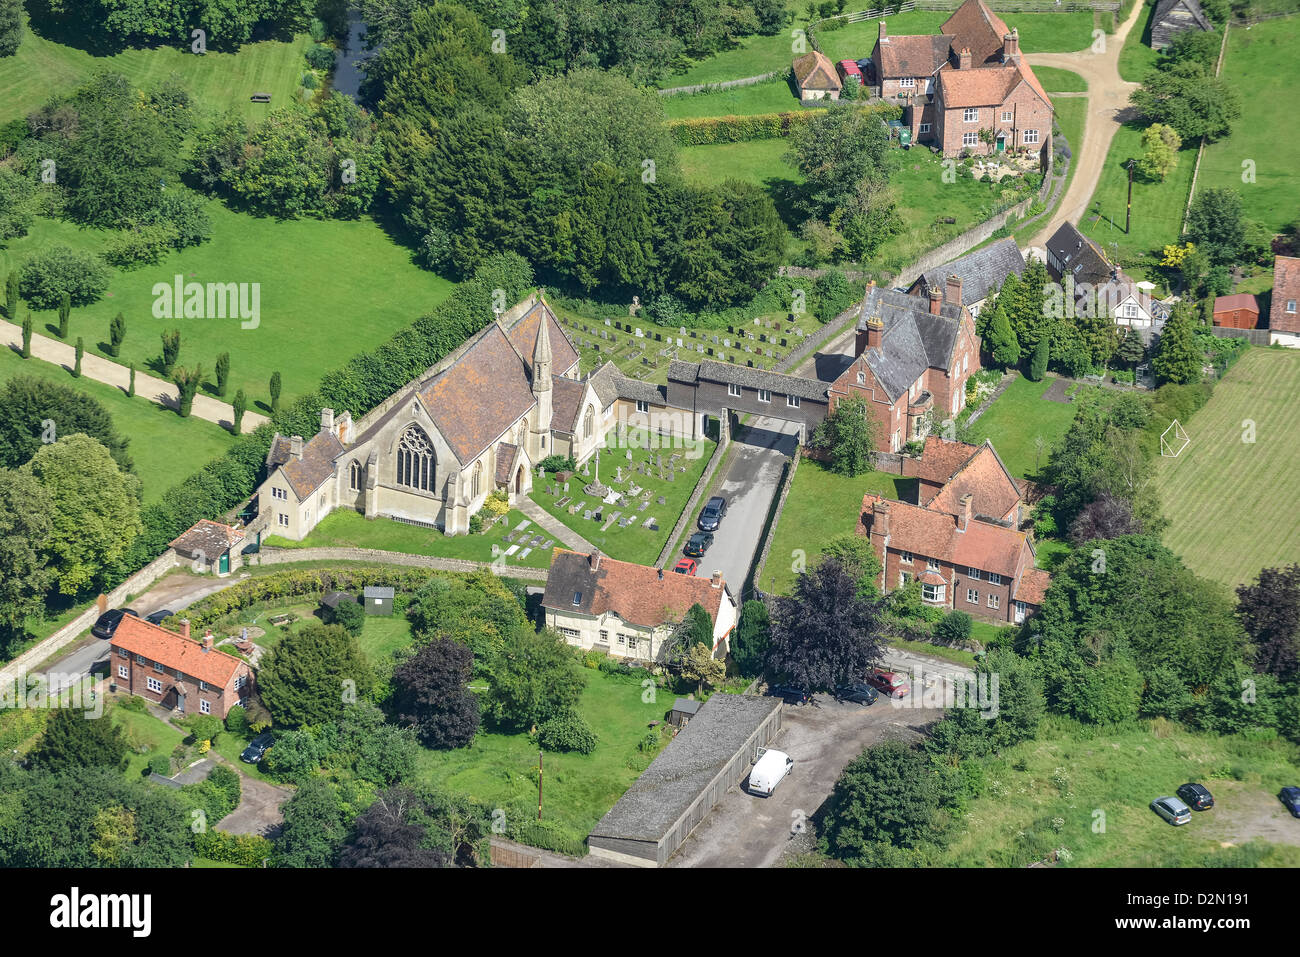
(537, 676)
(1216, 224)
(11, 26)
(312, 674)
(36, 411)
(1189, 99)
(25, 574)
(1178, 356)
(73, 741)
(315, 826)
(848, 436)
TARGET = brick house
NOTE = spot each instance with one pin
(1239, 311)
(815, 77)
(1283, 317)
(175, 671)
(913, 357)
(628, 610)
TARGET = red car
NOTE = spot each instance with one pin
(889, 683)
(686, 566)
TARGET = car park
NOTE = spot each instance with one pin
(698, 544)
(711, 514)
(792, 694)
(768, 771)
(889, 683)
(107, 623)
(1196, 796)
(1290, 796)
(158, 617)
(257, 748)
(686, 566)
(857, 693)
(1172, 810)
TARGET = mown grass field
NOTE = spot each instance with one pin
(1055, 80)
(1224, 496)
(1018, 419)
(770, 96)
(328, 289)
(1260, 66)
(165, 448)
(1088, 790)
(1039, 32)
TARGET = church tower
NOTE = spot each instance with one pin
(542, 391)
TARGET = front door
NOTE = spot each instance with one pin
(180, 702)
(519, 480)
(1002, 143)
(224, 564)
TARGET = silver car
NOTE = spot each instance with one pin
(1172, 810)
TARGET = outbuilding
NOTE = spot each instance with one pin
(683, 710)
(210, 547)
(1239, 311)
(378, 599)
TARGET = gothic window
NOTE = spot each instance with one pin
(354, 476)
(415, 460)
(476, 481)
(589, 423)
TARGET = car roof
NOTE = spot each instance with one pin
(715, 500)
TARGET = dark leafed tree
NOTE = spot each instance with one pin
(11, 26)
(1104, 517)
(275, 392)
(116, 334)
(237, 409)
(71, 742)
(1269, 611)
(25, 575)
(303, 678)
(828, 633)
(223, 373)
(385, 837)
(430, 693)
(187, 382)
(171, 350)
(29, 403)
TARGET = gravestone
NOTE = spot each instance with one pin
(606, 322)
(679, 343)
(725, 342)
(661, 500)
(587, 514)
(639, 334)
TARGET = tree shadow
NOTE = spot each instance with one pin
(78, 33)
(787, 195)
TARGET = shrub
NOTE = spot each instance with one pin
(141, 245)
(57, 269)
(557, 463)
(160, 763)
(132, 703)
(567, 731)
(237, 721)
(351, 616)
(954, 628)
(497, 504)
(320, 57)
(476, 524)
(246, 850)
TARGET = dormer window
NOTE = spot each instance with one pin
(577, 598)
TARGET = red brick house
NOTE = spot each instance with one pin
(1283, 317)
(914, 356)
(1239, 311)
(176, 671)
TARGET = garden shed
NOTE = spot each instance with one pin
(683, 710)
(378, 599)
(333, 599)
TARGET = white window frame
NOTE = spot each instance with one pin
(905, 557)
(1290, 306)
(1029, 137)
(924, 128)
(123, 671)
(284, 520)
(970, 139)
(931, 565)
(734, 390)
(792, 401)
(995, 601)
(153, 684)
(241, 681)
(1006, 116)
(995, 578)
(974, 573)
(764, 395)
(205, 706)
(862, 378)
(933, 594)
(907, 82)
(1021, 611)
(643, 406)
(973, 596)
(971, 114)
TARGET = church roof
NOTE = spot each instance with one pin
(523, 336)
(566, 404)
(307, 474)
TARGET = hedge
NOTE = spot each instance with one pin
(246, 850)
(708, 130)
(550, 836)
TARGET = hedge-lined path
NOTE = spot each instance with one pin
(114, 374)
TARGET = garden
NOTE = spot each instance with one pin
(1023, 426)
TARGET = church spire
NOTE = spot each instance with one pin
(542, 357)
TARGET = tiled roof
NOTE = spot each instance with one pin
(1032, 586)
(813, 71)
(1286, 286)
(175, 652)
(981, 272)
(941, 458)
(634, 389)
(904, 56)
(987, 87)
(641, 594)
(777, 382)
(566, 398)
(207, 538)
(604, 384)
(679, 371)
(975, 27)
(1164, 7)
(931, 534)
(1072, 249)
(1241, 300)
(523, 336)
(278, 453)
(983, 476)
(310, 472)
(912, 339)
(506, 455)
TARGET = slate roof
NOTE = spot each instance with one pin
(987, 87)
(777, 382)
(1286, 286)
(912, 340)
(523, 336)
(975, 27)
(666, 789)
(604, 384)
(377, 591)
(207, 538)
(506, 456)
(641, 594)
(566, 401)
(278, 453)
(636, 390)
(983, 476)
(175, 652)
(981, 272)
(1164, 7)
(679, 371)
(904, 56)
(687, 705)
(1073, 249)
(814, 71)
(932, 534)
(307, 474)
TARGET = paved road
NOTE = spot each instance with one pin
(753, 476)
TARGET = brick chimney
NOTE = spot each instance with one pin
(295, 447)
(716, 580)
(875, 330)
(952, 292)
(594, 560)
(879, 522)
(884, 32)
(327, 420)
(936, 300)
(963, 520)
(207, 641)
(963, 59)
(185, 627)
(1011, 47)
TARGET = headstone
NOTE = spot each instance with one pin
(679, 343)
(725, 342)
(699, 347)
(639, 334)
(681, 330)
(566, 488)
(710, 350)
(661, 500)
(606, 322)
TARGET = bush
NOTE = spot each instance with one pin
(237, 721)
(350, 615)
(54, 270)
(476, 524)
(320, 57)
(246, 850)
(954, 629)
(160, 764)
(132, 703)
(703, 131)
(557, 463)
(567, 731)
(497, 504)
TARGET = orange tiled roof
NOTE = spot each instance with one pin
(1033, 586)
(1286, 287)
(311, 471)
(640, 594)
(932, 534)
(987, 87)
(175, 652)
(523, 336)
(985, 477)
(975, 27)
(941, 458)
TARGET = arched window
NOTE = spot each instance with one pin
(354, 476)
(589, 423)
(415, 460)
(476, 481)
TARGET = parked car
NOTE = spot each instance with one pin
(1197, 796)
(107, 623)
(857, 693)
(768, 771)
(698, 544)
(890, 683)
(711, 514)
(1291, 798)
(257, 748)
(792, 694)
(686, 566)
(158, 617)
(1172, 810)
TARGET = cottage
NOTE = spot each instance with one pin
(1071, 253)
(1172, 17)
(1239, 311)
(981, 273)
(1283, 319)
(173, 670)
(210, 547)
(815, 77)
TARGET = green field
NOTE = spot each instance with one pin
(328, 289)
(757, 161)
(821, 505)
(1260, 65)
(165, 448)
(217, 82)
(1157, 206)
(344, 528)
(1039, 32)
(1060, 81)
(1137, 57)
(1216, 494)
(771, 96)
(1018, 419)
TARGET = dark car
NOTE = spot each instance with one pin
(257, 748)
(698, 544)
(858, 693)
(1291, 798)
(1196, 796)
(711, 514)
(158, 617)
(791, 694)
(107, 623)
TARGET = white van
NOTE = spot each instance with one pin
(768, 771)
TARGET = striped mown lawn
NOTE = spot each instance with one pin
(1227, 499)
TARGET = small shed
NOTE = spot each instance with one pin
(815, 77)
(378, 599)
(333, 599)
(849, 72)
(1172, 17)
(210, 547)
(1239, 311)
(683, 710)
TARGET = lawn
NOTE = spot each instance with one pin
(1215, 493)
(1018, 419)
(217, 82)
(165, 448)
(635, 543)
(1088, 790)
(1260, 65)
(1039, 32)
(821, 505)
(501, 769)
(771, 96)
(1157, 206)
(1137, 57)
(1055, 80)
(144, 733)
(328, 289)
(761, 162)
(344, 528)
(1070, 112)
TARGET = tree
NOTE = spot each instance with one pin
(12, 285)
(11, 26)
(25, 575)
(1106, 516)
(72, 742)
(223, 373)
(954, 628)
(116, 333)
(130, 385)
(387, 835)
(699, 665)
(1216, 225)
(275, 392)
(350, 615)
(205, 727)
(1269, 610)
(78, 353)
(237, 408)
(171, 350)
(859, 559)
(1187, 98)
(837, 152)
(828, 633)
(1160, 144)
(1018, 703)
(848, 436)
(307, 677)
(1001, 339)
(699, 627)
(65, 313)
(27, 336)
(314, 826)
(1178, 356)
(537, 675)
(187, 383)
(567, 730)
(94, 509)
(749, 646)
(1038, 364)
(1131, 350)
(430, 692)
(55, 271)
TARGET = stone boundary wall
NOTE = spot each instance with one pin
(723, 85)
(271, 555)
(705, 478)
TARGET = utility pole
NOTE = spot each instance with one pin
(539, 784)
(1128, 212)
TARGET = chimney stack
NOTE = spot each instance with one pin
(884, 32)
(661, 574)
(716, 580)
(952, 293)
(207, 641)
(936, 300)
(963, 520)
(185, 627)
(879, 521)
(963, 59)
(295, 447)
(327, 420)
(1011, 47)
(595, 560)
(875, 330)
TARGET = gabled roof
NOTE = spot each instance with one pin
(506, 456)
(307, 474)
(981, 272)
(604, 384)
(932, 534)
(983, 476)
(778, 382)
(987, 87)
(1079, 256)
(523, 336)
(1241, 300)
(912, 339)
(941, 458)
(1032, 586)
(207, 538)
(640, 594)
(814, 71)
(175, 652)
(1286, 286)
(566, 402)
(975, 27)
(904, 56)
(1194, 11)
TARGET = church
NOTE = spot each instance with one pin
(478, 421)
